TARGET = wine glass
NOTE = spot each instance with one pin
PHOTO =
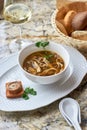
(17, 12)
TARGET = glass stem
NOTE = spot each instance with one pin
(20, 31)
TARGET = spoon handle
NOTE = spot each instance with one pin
(76, 126)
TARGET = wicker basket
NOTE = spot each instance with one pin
(79, 44)
(60, 3)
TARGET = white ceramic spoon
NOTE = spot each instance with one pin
(67, 119)
(71, 111)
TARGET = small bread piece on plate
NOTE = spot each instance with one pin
(14, 89)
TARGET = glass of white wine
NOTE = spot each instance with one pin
(17, 12)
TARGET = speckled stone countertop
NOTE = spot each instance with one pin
(49, 117)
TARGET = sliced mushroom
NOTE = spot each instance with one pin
(36, 66)
(31, 70)
(47, 63)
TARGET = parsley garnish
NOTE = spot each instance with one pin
(25, 96)
(28, 91)
(42, 44)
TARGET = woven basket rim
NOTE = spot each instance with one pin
(64, 37)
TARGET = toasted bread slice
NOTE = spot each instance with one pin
(14, 89)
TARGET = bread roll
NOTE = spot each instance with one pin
(79, 21)
(68, 20)
(81, 35)
(61, 27)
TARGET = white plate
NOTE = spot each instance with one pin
(46, 94)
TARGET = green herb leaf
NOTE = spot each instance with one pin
(25, 96)
(48, 56)
(33, 92)
(42, 43)
(30, 91)
(27, 91)
(38, 44)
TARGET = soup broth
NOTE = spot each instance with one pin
(43, 63)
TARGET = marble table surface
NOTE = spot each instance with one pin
(38, 28)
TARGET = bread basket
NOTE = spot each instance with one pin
(81, 45)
